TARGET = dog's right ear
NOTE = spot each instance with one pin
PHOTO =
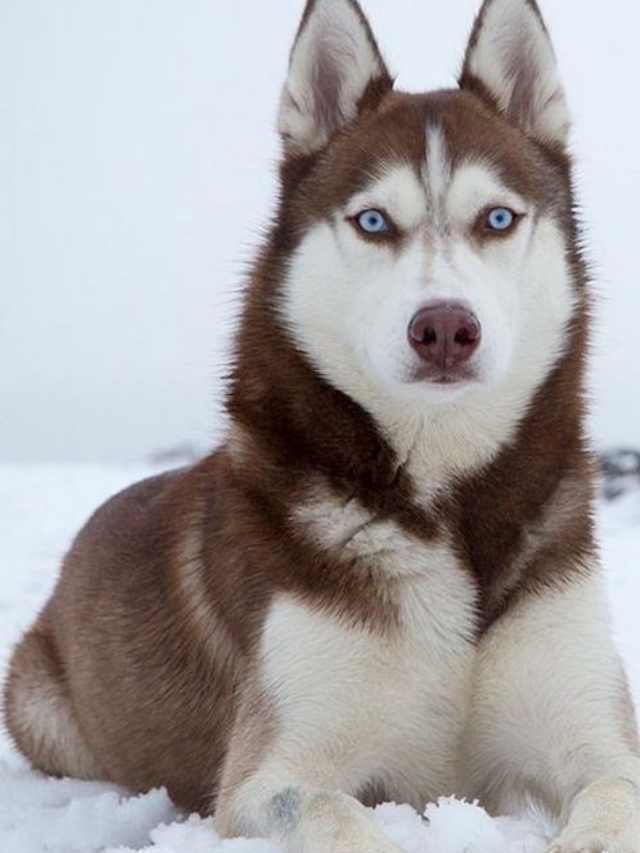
(511, 64)
(335, 70)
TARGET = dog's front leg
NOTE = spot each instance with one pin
(306, 738)
(551, 718)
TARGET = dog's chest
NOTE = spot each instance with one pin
(392, 702)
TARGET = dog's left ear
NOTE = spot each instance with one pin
(335, 71)
(510, 62)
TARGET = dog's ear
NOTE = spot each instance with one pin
(510, 62)
(335, 70)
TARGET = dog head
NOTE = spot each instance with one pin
(431, 234)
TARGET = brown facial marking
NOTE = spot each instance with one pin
(395, 135)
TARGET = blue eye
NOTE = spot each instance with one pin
(372, 222)
(500, 219)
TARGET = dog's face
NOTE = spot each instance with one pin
(432, 252)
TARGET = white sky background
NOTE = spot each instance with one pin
(137, 153)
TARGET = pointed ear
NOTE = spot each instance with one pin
(510, 62)
(335, 70)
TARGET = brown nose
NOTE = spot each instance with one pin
(445, 334)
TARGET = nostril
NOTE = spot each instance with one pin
(465, 337)
(429, 336)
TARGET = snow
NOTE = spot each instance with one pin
(41, 507)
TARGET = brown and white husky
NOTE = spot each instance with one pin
(384, 583)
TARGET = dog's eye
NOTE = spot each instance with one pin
(372, 222)
(500, 219)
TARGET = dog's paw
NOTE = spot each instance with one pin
(595, 842)
(605, 819)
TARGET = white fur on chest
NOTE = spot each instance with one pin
(390, 705)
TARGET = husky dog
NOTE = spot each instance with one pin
(384, 583)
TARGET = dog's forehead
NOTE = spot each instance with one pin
(437, 136)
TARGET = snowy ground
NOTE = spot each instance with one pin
(40, 509)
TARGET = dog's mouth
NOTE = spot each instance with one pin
(450, 377)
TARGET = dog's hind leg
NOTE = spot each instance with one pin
(39, 712)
